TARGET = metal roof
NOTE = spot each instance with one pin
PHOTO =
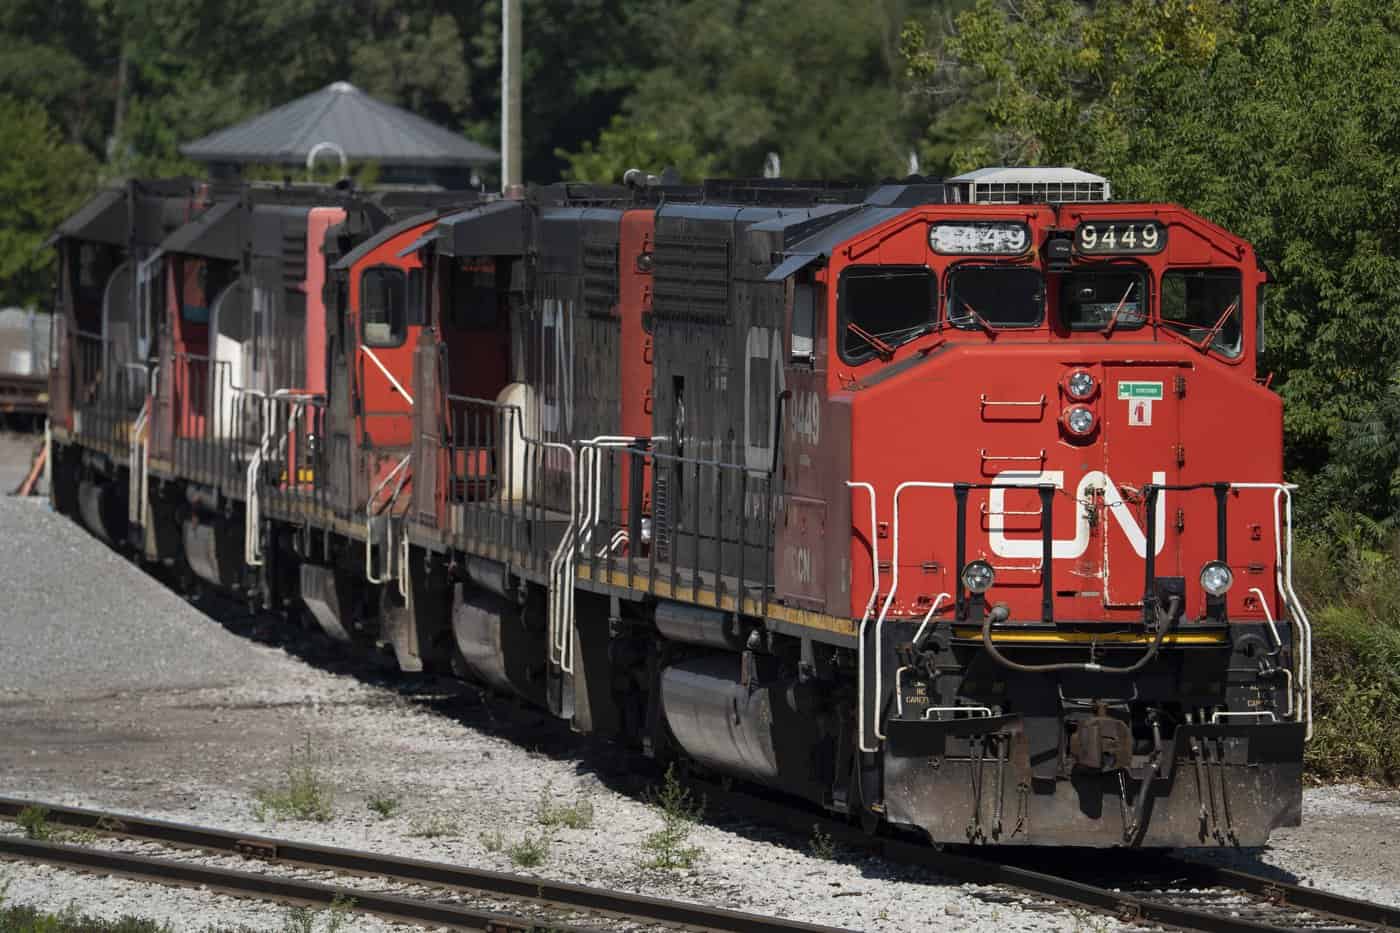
(214, 234)
(367, 129)
(104, 219)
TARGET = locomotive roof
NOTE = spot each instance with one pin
(102, 220)
(214, 234)
(388, 233)
(496, 228)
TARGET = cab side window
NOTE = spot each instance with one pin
(382, 295)
(1204, 304)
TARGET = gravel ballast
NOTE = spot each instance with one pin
(125, 696)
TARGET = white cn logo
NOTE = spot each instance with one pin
(1068, 549)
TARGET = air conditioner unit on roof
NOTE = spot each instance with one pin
(1020, 185)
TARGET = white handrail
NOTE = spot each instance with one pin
(583, 481)
(252, 498)
(865, 616)
(385, 370)
(369, 516)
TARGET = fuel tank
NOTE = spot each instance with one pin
(771, 733)
(103, 508)
(495, 644)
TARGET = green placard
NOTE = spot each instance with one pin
(1139, 390)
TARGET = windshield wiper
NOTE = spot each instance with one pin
(1214, 332)
(882, 349)
(978, 319)
(1113, 318)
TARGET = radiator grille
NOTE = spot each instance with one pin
(600, 279)
(692, 280)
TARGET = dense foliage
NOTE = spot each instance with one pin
(1279, 119)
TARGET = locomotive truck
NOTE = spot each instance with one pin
(955, 505)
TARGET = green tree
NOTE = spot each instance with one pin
(42, 178)
(1279, 120)
(817, 82)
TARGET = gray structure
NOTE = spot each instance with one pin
(341, 121)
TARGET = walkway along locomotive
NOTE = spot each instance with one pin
(956, 505)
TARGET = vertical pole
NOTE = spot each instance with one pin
(510, 93)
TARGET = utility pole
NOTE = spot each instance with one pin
(510, 93)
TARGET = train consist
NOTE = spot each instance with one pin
(952, 505)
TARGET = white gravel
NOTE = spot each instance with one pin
(133, 700)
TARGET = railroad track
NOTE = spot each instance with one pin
(553, 905)
(1138, 888)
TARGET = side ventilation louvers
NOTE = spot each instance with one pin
(691, 280)
(600, 279)
(293, 258)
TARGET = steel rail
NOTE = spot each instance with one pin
(268, 887)
(1125, 905)
(1295, 895)
(559, 894)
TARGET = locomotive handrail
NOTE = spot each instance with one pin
(370, 575)
(988, 403)
(1283, 565)
(998, 458)
(374, 358)
(1283, 548)
(252, 510)
(865, 616)
(564, 561)
(959, 490)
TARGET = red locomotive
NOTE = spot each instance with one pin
(956, 505)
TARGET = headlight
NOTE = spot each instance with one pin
(978, 576)
(1079, 420)
(646, 531)
(1216, 578)
(1081, 385)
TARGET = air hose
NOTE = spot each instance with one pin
(1000, 613)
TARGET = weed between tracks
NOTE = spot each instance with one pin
(527, 852)
(384, 806)
(71, 920)
(435, 825)
(35, 823)
(578, 815)
(679, 814)
(307, 794)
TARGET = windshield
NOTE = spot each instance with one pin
(884, 306)
(995, 296)
(1103, 299)
(1204, 306)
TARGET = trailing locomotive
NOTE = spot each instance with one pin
(956, 505)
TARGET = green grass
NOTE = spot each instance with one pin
(383, 806)
(35, 823)
(70, 920)
(434, 825)
(529, 852)
(1352, 594)
(306, 793)
(550, 813)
